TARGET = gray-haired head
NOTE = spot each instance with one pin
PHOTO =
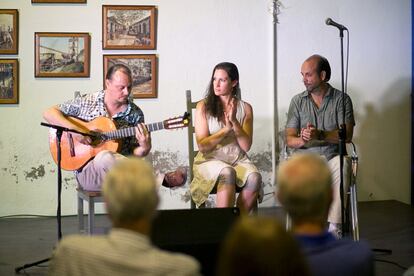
(304, 188)
(130, 191)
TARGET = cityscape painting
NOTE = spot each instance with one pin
(128, 27)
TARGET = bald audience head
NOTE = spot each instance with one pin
(130, 192)
(304, 188)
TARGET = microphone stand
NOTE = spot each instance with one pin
(342, 137)
(59, 131)
(342, 147)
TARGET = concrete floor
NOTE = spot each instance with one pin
(385, 224)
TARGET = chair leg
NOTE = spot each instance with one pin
(288, 222)
(193, 205)
(81, 225)
(91, 215)
(354, 212)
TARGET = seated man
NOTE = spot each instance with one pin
(131, 199)
(305, 191)
(313, 124)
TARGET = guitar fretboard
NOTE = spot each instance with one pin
(130, 131)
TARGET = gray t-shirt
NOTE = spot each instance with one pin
(303, 110)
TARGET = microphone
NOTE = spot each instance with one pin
(329, 21)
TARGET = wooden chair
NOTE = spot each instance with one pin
(192, 151)
(91, 197)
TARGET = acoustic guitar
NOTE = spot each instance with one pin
(105, 136)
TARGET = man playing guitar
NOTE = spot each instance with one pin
(115, 103)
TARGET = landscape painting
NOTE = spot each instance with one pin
(62, 54)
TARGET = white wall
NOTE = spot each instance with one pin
(192, 37)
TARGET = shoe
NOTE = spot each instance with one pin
(175, 178)
(336, 230)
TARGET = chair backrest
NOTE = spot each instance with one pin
(192, 151)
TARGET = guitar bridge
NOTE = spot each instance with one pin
(71, 145)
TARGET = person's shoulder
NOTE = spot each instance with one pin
(75, 240)
(135, 107)
(355, 249)
(201, 103)
(77, 244)
(299, 96)
(246, 104)
(177, 263)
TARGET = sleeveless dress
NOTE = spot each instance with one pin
(227, 153)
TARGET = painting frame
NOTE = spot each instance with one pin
(142, 87)
(54, 63)
(120, 34)
(11, 37)
(60, 1)
(5, 96)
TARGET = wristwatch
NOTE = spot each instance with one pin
(321, 135)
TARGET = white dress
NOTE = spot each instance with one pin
(227, 153)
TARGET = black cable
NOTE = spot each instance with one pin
(26, 215)
(33, 215)
(391, 262)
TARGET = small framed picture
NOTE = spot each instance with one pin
(58, 1)
(62, 55)
(128, 27)
(9, 81)
(9, 32)
(143, 69)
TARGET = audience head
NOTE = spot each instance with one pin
(260, 246)
(304, 188)
(130, 192)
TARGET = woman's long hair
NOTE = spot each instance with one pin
(213, 105)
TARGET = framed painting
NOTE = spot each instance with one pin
(59, 1)
(62, 54)
(143, 69)
(9, 32)
(9, 81)
(128, 27)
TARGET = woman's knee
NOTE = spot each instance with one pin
(254, 182)
(227, 176)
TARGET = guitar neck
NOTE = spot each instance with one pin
(130, 131)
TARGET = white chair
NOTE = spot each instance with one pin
(91, 198)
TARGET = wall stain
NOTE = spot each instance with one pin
(35, 173)
(186, 197)
(262, 160)
(164, 161)
(69, 182)
(12, 169)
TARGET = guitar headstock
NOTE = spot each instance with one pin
(177, 122)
